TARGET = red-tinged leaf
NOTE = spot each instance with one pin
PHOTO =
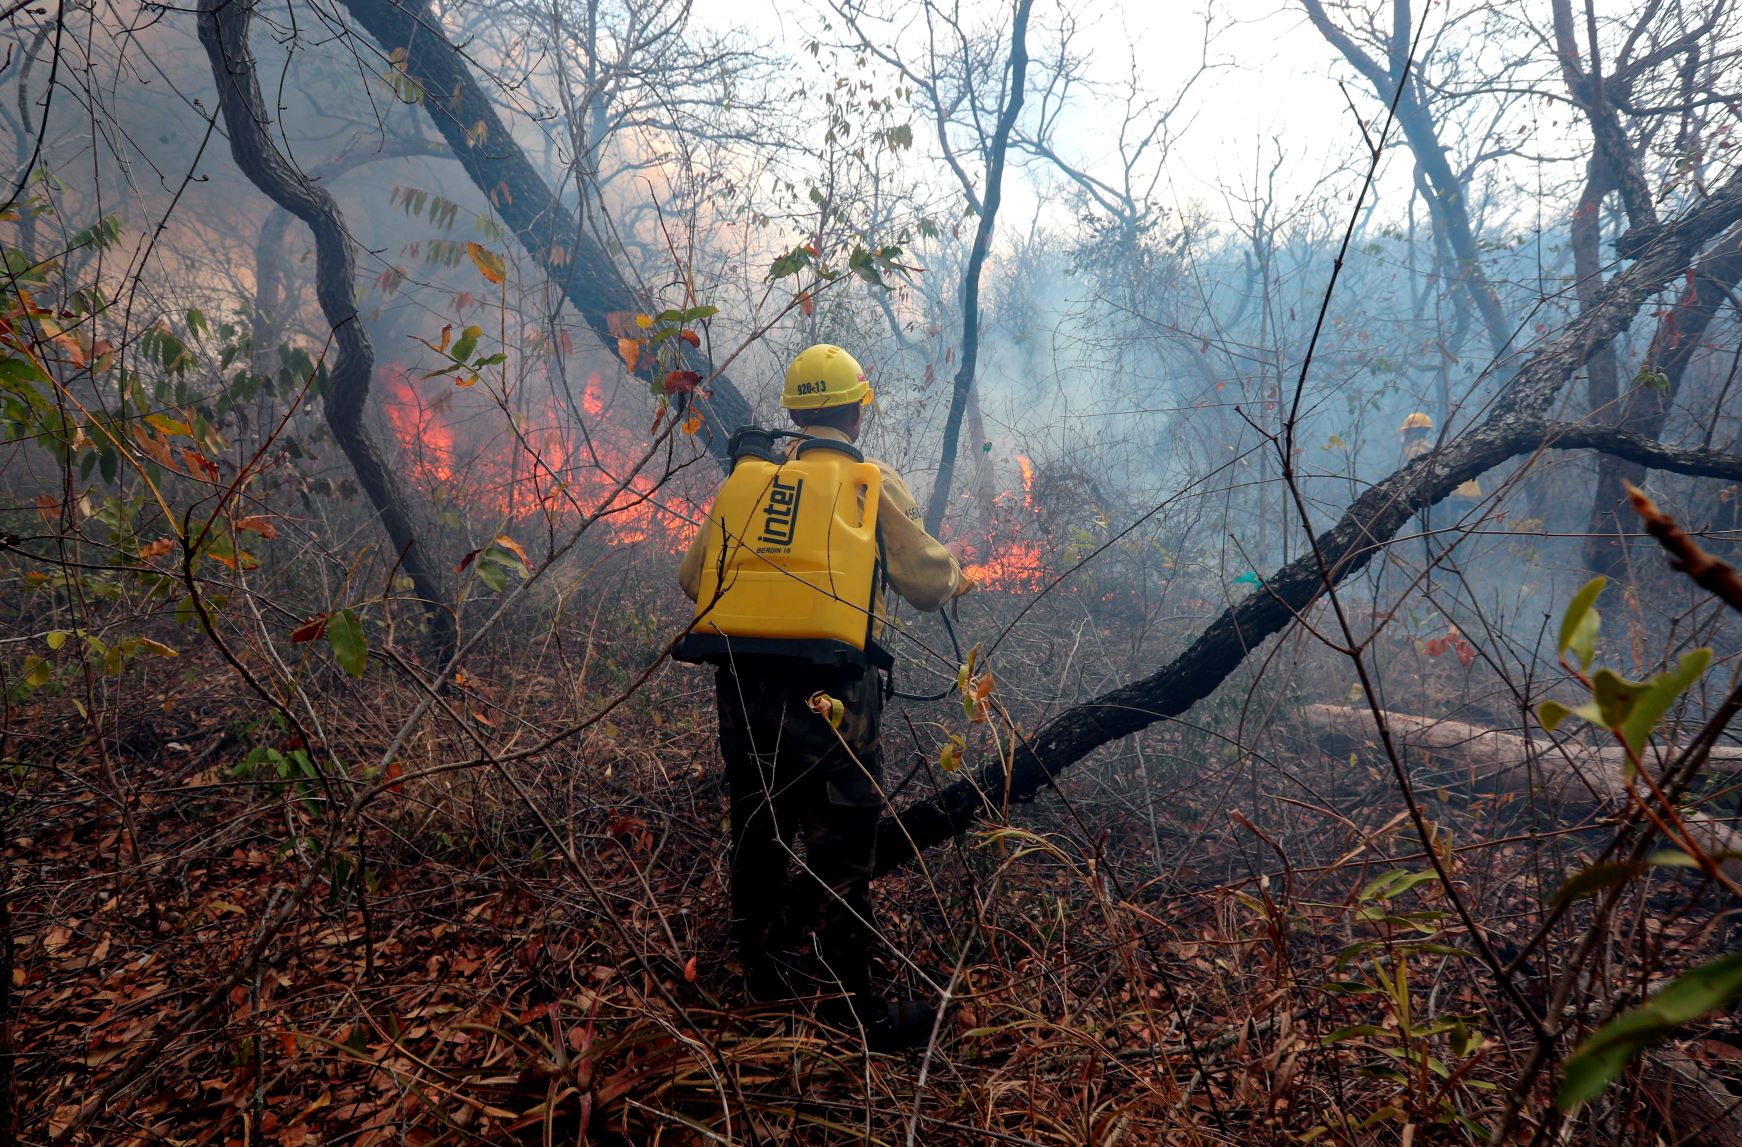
(682, 382)
(259, 525)
(155, 549)
(1436, 647)
(693, 423)
(481, 719)
(806, 304)
(488, 262)
(658, 417)
(199, 465)
(690, 337)
(447, 336)
(467, 560)
(513, 547)
(311, 629)
(47, 507)
(395, 770)
(689, 970)
(1466, 653)
(630, 349)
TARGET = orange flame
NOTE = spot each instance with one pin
(1012, 560)
(541, 469)
(428, 442)
(1011, 566)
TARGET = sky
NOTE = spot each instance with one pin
(1273, 81)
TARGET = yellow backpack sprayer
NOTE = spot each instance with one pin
(792, 565)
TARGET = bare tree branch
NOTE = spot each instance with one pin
(1515, 426)
(223, 28)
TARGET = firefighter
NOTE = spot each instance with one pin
(1418, 435)
(790, 772)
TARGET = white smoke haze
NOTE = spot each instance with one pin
(1230, 297)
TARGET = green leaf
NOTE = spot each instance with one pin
(37, 672)
(56, 638)
(1551, 714)
(1607, 1051)
(20, 370)
(697, 314)
(345, 635)
(1592, 881)
(1615, 696)
(1342, 1035)
(1659, 694)
(1579, 625)
(467, 343)
(1393, 883)
(1671, 858)
(492, 574)
(790, 263)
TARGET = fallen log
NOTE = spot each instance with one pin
(1692, 1102)
(1444, 754)
(1495, 760)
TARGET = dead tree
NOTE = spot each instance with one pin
(987, 208)
(223, 29)
(1517, 425)
(950, 79)
(1653, 78)
(1448, 202)
(271, 290)
(549, 231)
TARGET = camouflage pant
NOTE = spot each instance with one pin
(790, 778)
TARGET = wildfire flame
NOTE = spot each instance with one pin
(551, 469)
(545, 468)
(1011, 560)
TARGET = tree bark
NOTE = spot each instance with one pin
(1449, 205)
(940, 493)
(1646, 407)
(1495, 760)
(223, 29)
(496, 164)
(267, 321)
(1516, 425)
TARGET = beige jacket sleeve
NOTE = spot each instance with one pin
(920, 569)
(689, 571)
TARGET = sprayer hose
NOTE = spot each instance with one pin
(956, 646)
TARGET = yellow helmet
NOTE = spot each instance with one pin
(824, 375)
(1417, 421)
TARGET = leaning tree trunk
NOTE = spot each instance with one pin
(1679, 335)
(940, 493)
(223, 27)
(270, 286)
(573, 259)
(1449, 204)
(1516, 425)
